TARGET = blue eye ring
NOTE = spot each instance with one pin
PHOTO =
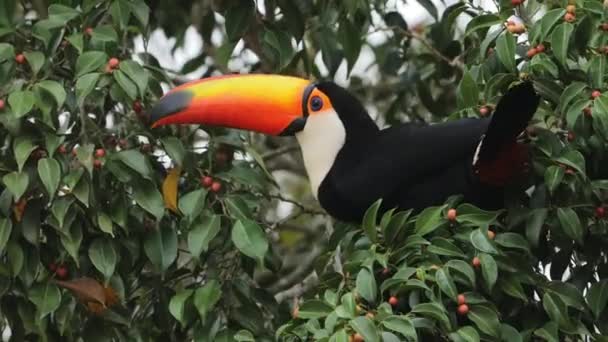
(316, 103)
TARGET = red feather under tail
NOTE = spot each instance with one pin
(511, 162)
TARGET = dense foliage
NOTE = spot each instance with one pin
(111, 230)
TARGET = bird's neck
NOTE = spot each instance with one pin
(320, 141)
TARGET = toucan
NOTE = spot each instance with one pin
(350, 162)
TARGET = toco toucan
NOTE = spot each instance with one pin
(350, 162)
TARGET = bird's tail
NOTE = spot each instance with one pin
(498, 156)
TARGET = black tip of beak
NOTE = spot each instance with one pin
(170, 104)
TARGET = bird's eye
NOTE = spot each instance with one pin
(316, 103)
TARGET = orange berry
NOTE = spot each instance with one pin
(216, 186)
(88, 31)
(595, 94)
(604, 26)
(571, 136)
(476, 262)
(531, 52)
(393, 301)
(2, 104)
(491, 235)
(358, 338)
(62, 272)
(461, 299)
(113, 62)
(540, 48)
(100, 153)
(484, 111)
(571, 9)
(463, 309)
(207, 181)
(451, 216)
(97, 164)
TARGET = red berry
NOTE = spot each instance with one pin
(483, 111)
(587, 112)
(113, 62)
(216, 186)
(491, 235)
(461, 299)
(569, 171)
(540, 48)
(386, 271)
(463, 309)
(476, 262)
(604, 26)
(100, 153)
(20, 58)
(358, 338)
(393, 301)
(600, 212)
(62, 149)
(516, 2)
(532, 52)
(2, 104)
(97, 163)
(569, 17)
(88, 31)
(571, 136)
(52, 267)
(62, 272)
(137, 107)
(207, 181)
(595, 94)
(451, 215)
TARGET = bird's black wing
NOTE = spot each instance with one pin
(398, 159)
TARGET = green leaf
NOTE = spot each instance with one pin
(35, 60)
(596, 71)
(202, 233)
(349, 36)
(369, 221)
(534, 225)
(141, 11)
(433, 311)
(512, 240)
(238, 19)
(53, 88)
(175, 149)
(161, 247)
(429, 6)
(137, 74)
(366, 328)
(553, 177)
(192, 203)
(468, 213)
(16, 183)
(104, 221)
(71, 242)
(46, 297)
(136, 161)
(549, 20)
(479, 239)
(22, 148)
(555, 308)
(6, 227)
(446, 284)
(21, 102)
(85, 85)
(568, 293)
(505, 50)
(62, 13)
(77, 41)
(121, 12)
(103, 256)
(468, 93)
(177, 304)
(206, 297)
(50, 175)
(441, 246)
(366, 285)
(489, 270)
(574, 159)
(90, 61)
(126, 84)
(429, 220)
(570, 93)
(508, 333)
(571, 224)
(148, 197)
(104, 34)
(402, 325)
(463, 268)
(238, 208)
(466, 334)
(548, 332)
(313, 309)
(84, 154)
(485, 319)
(559, 42)
(481, 22)
(597, 296)
(250, 239)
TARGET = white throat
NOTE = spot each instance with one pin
(320, 141)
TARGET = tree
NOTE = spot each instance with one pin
(112, 230)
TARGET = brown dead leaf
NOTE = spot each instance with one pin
(91, 293)
(170, 189)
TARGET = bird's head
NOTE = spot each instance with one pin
(270, 104)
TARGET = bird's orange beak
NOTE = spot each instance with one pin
(270, 104)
